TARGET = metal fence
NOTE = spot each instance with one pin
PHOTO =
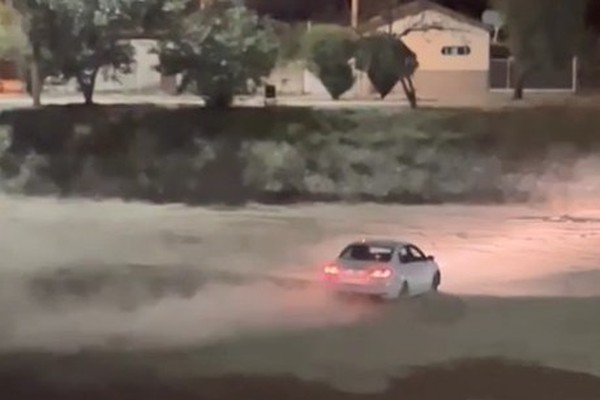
(502, 77)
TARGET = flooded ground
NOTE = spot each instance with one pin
(195, 293)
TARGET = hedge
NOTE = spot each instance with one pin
(202, 156)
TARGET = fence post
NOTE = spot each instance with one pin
(508, 66)
(575, 75)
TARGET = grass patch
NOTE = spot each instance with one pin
(198, 155)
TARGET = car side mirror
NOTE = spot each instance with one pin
(430, 258)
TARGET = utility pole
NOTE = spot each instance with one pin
(354, 12)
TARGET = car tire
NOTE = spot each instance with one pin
(437, 281)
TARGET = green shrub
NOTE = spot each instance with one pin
(273, 167)
(337, 79)
(329, 50)
(290, 41)
(246, 154)
(386, 60)
(13, 42)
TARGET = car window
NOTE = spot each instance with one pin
(404, 255)
(408, 254)
(416, 253)
(360, 252)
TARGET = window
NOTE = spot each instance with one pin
(404, 255)
(416, 253)
(410, 254)
(456, 50)
(363, 252)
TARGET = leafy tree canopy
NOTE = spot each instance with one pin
(13, 42)
(329, 50)
(75, 38)
(219, 51)
(386, 60)
(543, 34)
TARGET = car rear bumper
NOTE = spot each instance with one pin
(368, 289)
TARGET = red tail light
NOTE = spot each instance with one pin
(381, 273)
(331, 270)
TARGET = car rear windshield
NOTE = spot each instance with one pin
(364, 252)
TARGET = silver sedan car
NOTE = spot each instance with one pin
(383, 268)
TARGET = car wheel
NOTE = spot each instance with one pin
(437, 280)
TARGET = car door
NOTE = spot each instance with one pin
(429, 266)
(415, 267)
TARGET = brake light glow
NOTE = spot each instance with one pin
(331, 270)
(381, 273)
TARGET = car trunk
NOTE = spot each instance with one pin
(358, 265)
(356, 271)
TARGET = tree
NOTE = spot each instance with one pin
(543, 34)
(13, 43)
(93, 29)
(154, 16)
(75, 38)
(37, 21)
(384, 55)
(290, 41)
(220, 50)
(70, 38)
(387, 61)
(329, 50)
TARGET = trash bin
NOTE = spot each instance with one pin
(270, 94)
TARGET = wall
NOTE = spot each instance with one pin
(444, 85)
(428, 44)
(444, 76)
(289, 79)
(313, 85)
(143, 77)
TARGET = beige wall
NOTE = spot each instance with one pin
(442, 76)
(439, 76)
(428, 44)
(289, 78)
(443, 85)
(143, 76)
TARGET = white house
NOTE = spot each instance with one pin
(453, 50)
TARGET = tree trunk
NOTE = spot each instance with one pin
(413, 93)
(186, 79)
(518, 92)
(520, 76)
(87, 83)
(35, 77)
(409, 91)
(219, 101)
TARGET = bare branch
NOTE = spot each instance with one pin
(418, 25)
(426, 28)
(422, 26)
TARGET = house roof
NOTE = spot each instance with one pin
(417, 7)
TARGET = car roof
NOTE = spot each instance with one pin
(381, 243)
